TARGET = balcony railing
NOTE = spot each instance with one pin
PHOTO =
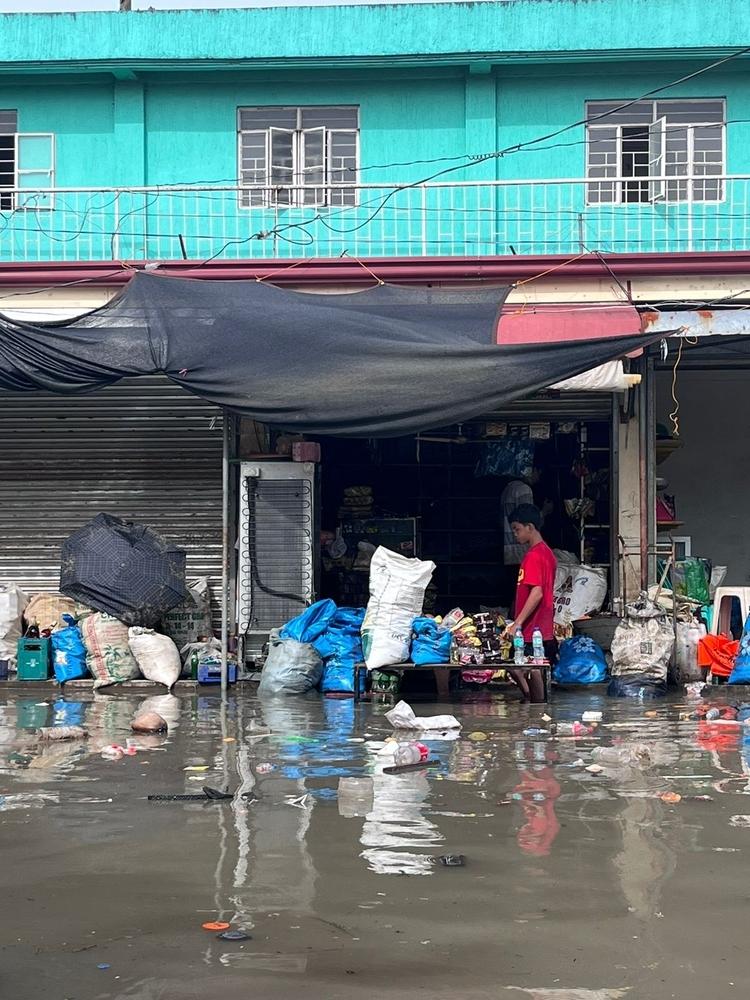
(375, 220)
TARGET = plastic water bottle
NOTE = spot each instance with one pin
(519, 657)
(410, 753)
(537, 644)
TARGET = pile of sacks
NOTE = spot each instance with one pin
(93, 643)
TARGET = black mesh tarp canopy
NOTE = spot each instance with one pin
(379, 363)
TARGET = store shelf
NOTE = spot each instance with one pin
(666, 447)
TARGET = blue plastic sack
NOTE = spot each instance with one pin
(341, 648)
(581, 662)
(430, 643)
(311, 624)
(68, 652)
(741, 670)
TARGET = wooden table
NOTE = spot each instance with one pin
(360, 669)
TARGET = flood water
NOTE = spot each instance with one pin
(576, 886)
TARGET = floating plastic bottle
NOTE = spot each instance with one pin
(410, 753)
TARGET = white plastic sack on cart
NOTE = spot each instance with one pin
(581, 592)
(642, 643)
(402, 716)
(12, 604)
(397, 587)
(156, 655)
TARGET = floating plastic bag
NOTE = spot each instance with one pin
(311, 624)
(156, 655)
(642, 643)
(397, 587)
(68, 652)
(581, 662)
(581, 592)
(341, 649)
(191, 619)
(741, 670)
(430, 642)
(291, 667)
(108, 654)
(12, 604)
(402, 716)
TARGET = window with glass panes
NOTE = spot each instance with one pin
(679, 146)
(298, 155)
(8, 129)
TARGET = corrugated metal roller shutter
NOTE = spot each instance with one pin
(558, 406)
(144, 450)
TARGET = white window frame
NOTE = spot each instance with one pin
(296, 194)
(20, 172)
(659, 185)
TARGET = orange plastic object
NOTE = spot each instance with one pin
(215, 925)
(670, 797)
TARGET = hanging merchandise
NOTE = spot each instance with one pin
(68, 651)
(641, 649)
(430, 642)
(397, 588)
(291, 667)
(741, 670)
(512, 457)
(581, 661)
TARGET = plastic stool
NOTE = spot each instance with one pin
(722, 611)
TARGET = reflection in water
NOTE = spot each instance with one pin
(396, 833)
(537, 791)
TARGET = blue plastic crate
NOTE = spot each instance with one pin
(210, 673)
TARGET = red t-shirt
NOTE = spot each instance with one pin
(537, 570)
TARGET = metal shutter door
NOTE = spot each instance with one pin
(144, 450)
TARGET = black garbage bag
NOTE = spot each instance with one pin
(125, 569)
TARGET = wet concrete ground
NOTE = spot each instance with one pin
(577, 886)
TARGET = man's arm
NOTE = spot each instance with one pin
(532, 603)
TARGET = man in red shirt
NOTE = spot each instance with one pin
(534, 595)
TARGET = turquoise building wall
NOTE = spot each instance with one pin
(137, 100)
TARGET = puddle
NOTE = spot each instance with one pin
(569, 874)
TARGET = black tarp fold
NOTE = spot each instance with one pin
(384, 362)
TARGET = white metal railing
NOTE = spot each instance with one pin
(467, 218)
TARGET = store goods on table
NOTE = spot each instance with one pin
(478, 641)
(357, 502)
